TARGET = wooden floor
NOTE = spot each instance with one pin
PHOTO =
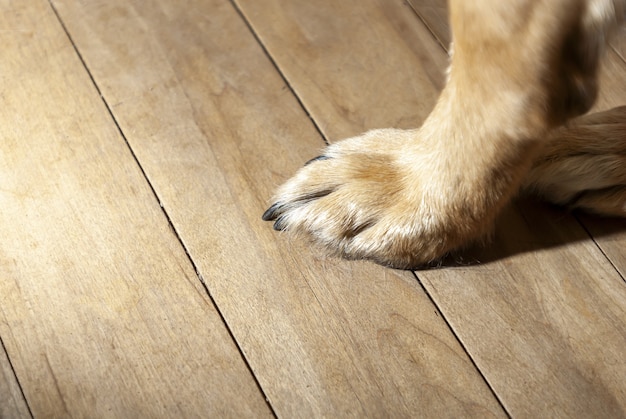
(141, 141)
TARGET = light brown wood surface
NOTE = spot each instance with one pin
(139, 281)
(102, 314)
(434, 14)
(544, 313)
(215, 129)
(337, 63)
(12, 402)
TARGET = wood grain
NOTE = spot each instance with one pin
(216, 129)
(543, 313)
(102, 314)
(12, 402)
(434, 14)
(307, 40)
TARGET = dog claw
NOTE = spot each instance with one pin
(322, 157)
(272, 212)
(279, 224)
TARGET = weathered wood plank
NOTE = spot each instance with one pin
(216, 129)
(307, 40)
(544, 314)
(12, 403)
(102, 313)
(434, 14)
(555, 313)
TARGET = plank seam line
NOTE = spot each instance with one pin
(616, 51)
(167, 217)
(425, 22)
(278, 70)
(432, 300)
(599, 247)
(19, 385)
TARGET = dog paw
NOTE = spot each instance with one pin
(583, 164)
(383, 196)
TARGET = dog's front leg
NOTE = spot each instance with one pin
(405, 198)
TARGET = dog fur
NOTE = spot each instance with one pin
(520, 70)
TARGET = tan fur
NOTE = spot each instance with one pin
(519, 69)
(583, 164)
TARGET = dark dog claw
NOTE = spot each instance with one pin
(322, 157)
(279, 224)
(271, 213)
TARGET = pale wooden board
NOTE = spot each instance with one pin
(216, 129)
(12, 403)
(544, 314)
(308, 40)
(101, 312)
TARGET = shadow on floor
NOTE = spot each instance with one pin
(528, 225)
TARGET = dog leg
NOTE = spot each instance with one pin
(583, 164)
(405, 198)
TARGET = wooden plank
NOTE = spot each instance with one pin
(12, 402)
(321, 42)
(555, 312)
(102, 314)
(544, 314)
(213, 125)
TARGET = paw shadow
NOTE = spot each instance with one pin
(529, 225)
